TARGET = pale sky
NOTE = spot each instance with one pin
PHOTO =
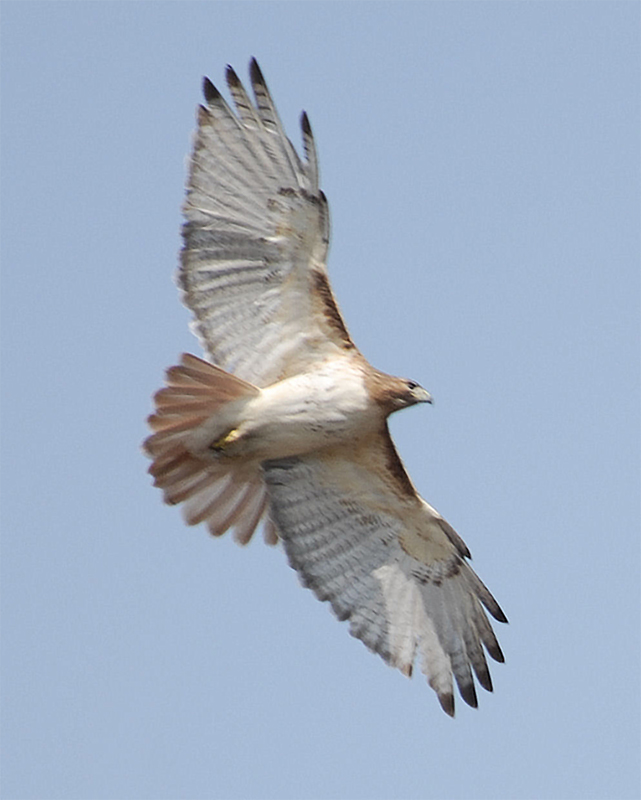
(481, 160)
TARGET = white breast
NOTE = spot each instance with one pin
(328, 405)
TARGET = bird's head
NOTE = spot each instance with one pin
(395, 393)
(412, 393)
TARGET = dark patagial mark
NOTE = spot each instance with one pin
(332, 314)
(395, 465)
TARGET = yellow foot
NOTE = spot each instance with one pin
(226, 440)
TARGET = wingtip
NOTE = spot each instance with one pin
(255, 72)
(493, 648)
(304, 123)
(468, 693)
(210, 92)
(447, 703)
(231, 76)
(484, 677)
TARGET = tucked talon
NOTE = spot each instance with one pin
(225, 441)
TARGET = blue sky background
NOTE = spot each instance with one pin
(482, 165)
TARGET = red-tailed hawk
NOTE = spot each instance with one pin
(287, 422)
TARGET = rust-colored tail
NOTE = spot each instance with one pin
(222, 494)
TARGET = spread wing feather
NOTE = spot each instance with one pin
(255, 240)
(385, 562)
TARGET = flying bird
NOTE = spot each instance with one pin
(285, 423)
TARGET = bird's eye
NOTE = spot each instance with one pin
(411, 385)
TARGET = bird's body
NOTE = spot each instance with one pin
(313, 410)
(288, 422)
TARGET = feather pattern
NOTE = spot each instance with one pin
(348, 548)
(255, 240)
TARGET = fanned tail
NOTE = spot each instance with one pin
(221, 494)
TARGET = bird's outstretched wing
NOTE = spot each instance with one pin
(255, 240)
(361, 538)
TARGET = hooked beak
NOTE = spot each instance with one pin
(421, 395)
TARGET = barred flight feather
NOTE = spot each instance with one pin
(349, 555)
